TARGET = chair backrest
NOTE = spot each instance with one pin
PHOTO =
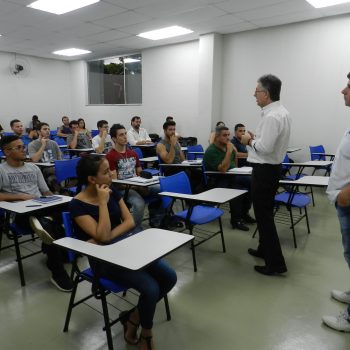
(53, 134)
(286, 160)
(94, 132)
(66, 169)
(138, 152)
(68, 228)
(317, 149)
(195, 148)
(175, 183)
(60, 140)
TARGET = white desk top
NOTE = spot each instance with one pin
(183, 165)
(80, 149)
(28, 206)
(155, 181)
(183, 149)
(145, 145)
(44, 165)
(321, 181)
(149, 159)
(215, 195)
(62, 146)
(134, 252)
(196, 152)
(311, 163)
(293, 149)
(324, 154)
(245, 170)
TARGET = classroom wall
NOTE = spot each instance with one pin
(311, 58)
(42, 88)
(169, 87)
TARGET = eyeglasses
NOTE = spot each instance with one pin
(18, 148)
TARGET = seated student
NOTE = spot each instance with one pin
(32, 130)
(44, 150)
(64, 130)
(100, 216)
(136, 134)
(22, 181)
(77, 140)
(18, 129)
(169, 118)
(124, 163)
(212, 134)
(242, 152)
(169, 152)
(82, 128)
(102, 142)
(221, 156)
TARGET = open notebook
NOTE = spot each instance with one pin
(142, 180)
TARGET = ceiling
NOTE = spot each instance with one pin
(109, 27)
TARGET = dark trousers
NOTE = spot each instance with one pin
(239, 207)
(265, 178)
(55, 255)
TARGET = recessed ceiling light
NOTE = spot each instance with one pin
(59, 7)
(164, 33)
(71, 52)
(326, 3)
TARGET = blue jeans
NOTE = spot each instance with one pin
(344, 220)
(137, 202)
(153, 283)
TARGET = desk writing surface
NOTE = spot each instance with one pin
(134, 252)
(311, 163)
(80, 149)
(28, 206)
(245, 170)
(321, 181)
(293, 149)
(135, 183)
(215, 195)
(149, 159)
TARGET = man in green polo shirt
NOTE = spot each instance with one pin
(222, 156)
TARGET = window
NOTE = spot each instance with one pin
(115, 80)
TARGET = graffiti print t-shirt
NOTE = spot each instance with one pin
(124, 163)
(24, 179)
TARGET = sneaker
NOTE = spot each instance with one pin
(39, 230)
(343, 297)
(340, 323)
(62, 281)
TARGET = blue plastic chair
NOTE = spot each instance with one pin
(195, 148)
(319, 149)
(195, 214)
(66, 170)
(101, 287)
(152, 171)
(94, 133)
(53, 134)
(294, 199)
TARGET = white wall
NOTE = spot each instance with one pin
(45, 91)
(312, 59)
(170, 87)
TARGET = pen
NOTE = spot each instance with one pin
(33, 205)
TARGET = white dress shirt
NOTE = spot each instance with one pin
(340, 175)
(134, 136)
(272, 135)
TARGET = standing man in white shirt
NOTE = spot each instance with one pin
(338, 191)
(136, 134)
(266, 150)
(102, 142)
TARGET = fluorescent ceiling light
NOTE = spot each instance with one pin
(326, 3)
(71, 52)
(59, 7)
(164, 33)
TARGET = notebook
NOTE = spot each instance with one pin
(142, 180)
(47, 199)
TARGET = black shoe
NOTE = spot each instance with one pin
(239, 225)
(270, 271)
(248, 219)
(256, 253)
(62, 281)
